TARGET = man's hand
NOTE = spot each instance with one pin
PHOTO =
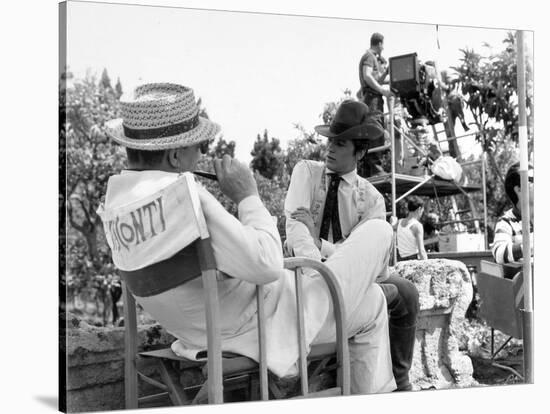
(303, 215)
(385, 90)
(235, 179)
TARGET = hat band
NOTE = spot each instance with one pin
(167, 131)
(339, 127)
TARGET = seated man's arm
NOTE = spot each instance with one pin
(298, 237)
(248, 248)
(504, 249)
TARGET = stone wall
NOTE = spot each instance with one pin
(445, 292)
(95, 364)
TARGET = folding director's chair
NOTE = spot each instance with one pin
(220, 367)
(500, 290)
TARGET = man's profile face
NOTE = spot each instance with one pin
(380, 47)
(340, 156)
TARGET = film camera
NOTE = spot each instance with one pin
(417, 86)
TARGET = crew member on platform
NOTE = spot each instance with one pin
(373, 72)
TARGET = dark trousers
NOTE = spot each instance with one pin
(373, 161)
(374, 101)
(403, 306)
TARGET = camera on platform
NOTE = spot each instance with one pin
(417, 86)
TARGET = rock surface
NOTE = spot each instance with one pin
(445, 292)
(95, 363)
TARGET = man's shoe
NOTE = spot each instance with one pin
(402, 347)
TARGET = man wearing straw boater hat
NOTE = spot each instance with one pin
(328, 203)
(164, 135)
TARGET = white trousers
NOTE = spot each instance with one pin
(362, 257)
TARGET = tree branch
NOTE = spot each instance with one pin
(74, 224)
(73, 187)
(86, 213)
(81, 130)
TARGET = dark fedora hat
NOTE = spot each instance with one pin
(352, 121)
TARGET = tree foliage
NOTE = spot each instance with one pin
(307, 146)
(222, 147)
(489, 85)
(503, 155)
(91, 158)
(267, 156)
(118, 89)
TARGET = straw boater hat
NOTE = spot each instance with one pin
(160, 116)
(352, 121)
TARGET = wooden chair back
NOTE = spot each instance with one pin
(209, 273)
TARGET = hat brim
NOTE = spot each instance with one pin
(363, 131)
(206, 130)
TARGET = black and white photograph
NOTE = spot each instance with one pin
(297, 206)
(261, 205)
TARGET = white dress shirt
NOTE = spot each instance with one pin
(306, 190)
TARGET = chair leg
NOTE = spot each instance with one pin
(254, 389)
(177, 395)
(130, 385)
(202, 395)
(320, 368)
(276, 391)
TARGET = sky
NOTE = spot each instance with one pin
(252, 71)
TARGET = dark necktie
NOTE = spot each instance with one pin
(330, 213)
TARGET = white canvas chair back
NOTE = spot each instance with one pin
(157, 243)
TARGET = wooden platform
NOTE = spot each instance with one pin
(433, 187)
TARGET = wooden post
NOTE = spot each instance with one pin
(213, 336)
(525, 217)
(130, 349)
(484, 190)
(301, 332)
(262, 338)
(393, 187)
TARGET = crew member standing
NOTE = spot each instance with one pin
(373, 71)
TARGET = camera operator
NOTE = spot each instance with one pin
(373, 70)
